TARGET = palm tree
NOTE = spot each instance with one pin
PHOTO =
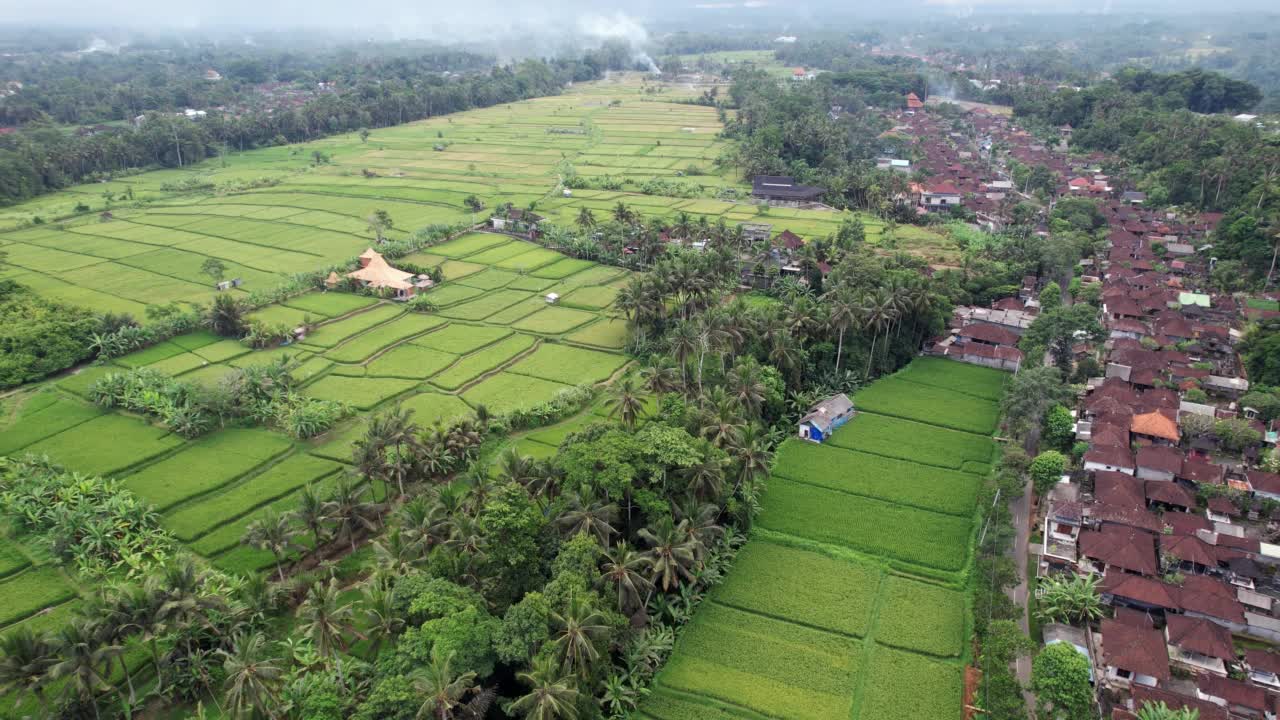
(622, 570)
(621, 213)
(82, 661)
(253, 676)
(274, 533)
(749, 448)
(314, 513)
(722, 422)
(382, 619)
(326, 621)
(660, 378)
(397, 551)
(138, 605)
(876, 314)
(351, 511)
(586, 219)
(26, 664)
(841, 313)
(551, 696)
(685, 342)
(514, 467)
(745, 384)
(383, 452)
(113, 625)
(626, 402)
(226, 316)
(670, 555)
(182, 601)
(594, 517)
(442, 689)
(575, 634)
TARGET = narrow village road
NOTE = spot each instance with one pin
(1020, 510)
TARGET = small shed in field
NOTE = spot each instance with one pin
(825, 417)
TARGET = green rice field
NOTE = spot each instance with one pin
(150, 250)
(366, 353)
(850, 599)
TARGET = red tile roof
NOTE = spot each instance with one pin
(1189, 548)
(1136, 649)
(1203, 636)
(1124, 548)
(1263, 660)
(1170, 493)
(1176, 701)
(1155, 424)
(1212, 598)
(1119, 489)
(1146, 591)
(1110, 456)
(1160, 458)
(1186, 523)
(1236, 693)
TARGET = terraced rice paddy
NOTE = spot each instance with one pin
(849, 602)
(363, 352)
(306, 217)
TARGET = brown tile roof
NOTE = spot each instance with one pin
(1264, 481)
(1203, 636)
(1144, 590)
(989, 333)
(1202, 471)
(1176, 701)
(1263, 660)
(1170, 493)
(1118, 488)
(1155, 424)
(1135, 618)
(1212, 598)
(1111, 456)
(1186, 523)
(1189, 548)
(1161, 458)
(1124, 548)
(1136, 649)
(1234, 692)
(1131, 517)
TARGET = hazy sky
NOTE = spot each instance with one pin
(478, 20)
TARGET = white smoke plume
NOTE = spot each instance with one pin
(619, 26)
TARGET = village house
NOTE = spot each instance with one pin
(783, 189)
(1133, 652)
(825, 418)
(1199, 645)
(941, 196)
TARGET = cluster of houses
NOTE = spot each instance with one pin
(1178, 526)
(968, 166)
(988, 336)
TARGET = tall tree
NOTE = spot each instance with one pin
(253, 677)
